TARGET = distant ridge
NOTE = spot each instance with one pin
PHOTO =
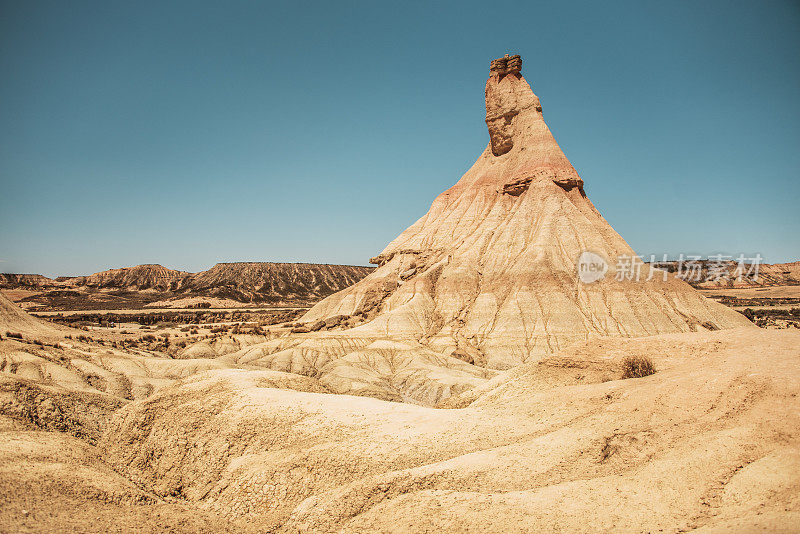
(245, 281)
(25, 281)
(286, 263)
(140, 277)
(268, 281)
(725, 275)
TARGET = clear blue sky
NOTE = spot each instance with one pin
(187, 133)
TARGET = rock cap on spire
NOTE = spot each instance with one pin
(506, 65)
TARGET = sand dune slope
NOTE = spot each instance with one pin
(15, 320)
(380, 368)
(711, 440)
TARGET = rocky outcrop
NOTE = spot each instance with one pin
(138, 278)
(298, 283)
(504, 102)
(274, 282)
(505, 65)
(489, 274)
(25, 281)
(730, 274)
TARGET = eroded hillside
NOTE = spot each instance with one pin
(224, 285)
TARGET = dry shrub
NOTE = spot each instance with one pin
(637, 367)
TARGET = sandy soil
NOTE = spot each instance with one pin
(711, 442)
(139, 311)
(755, 293)
(98, 439)
(19, 294)
(184, 303)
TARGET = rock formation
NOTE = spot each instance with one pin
(250, 282)
(25, 281)
(269, 437)
(730, 274)
(138, 278)
(489, 274)
(274, 282)
(504, 102)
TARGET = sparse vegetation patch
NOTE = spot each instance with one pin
(637, 367)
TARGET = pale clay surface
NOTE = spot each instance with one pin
(470, 384)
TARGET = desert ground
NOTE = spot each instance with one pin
(97, 439)
(473, 381)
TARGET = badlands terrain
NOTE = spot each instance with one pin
(232, 284)
(471, 382)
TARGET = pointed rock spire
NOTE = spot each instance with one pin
(507, 94)
(490, 273)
